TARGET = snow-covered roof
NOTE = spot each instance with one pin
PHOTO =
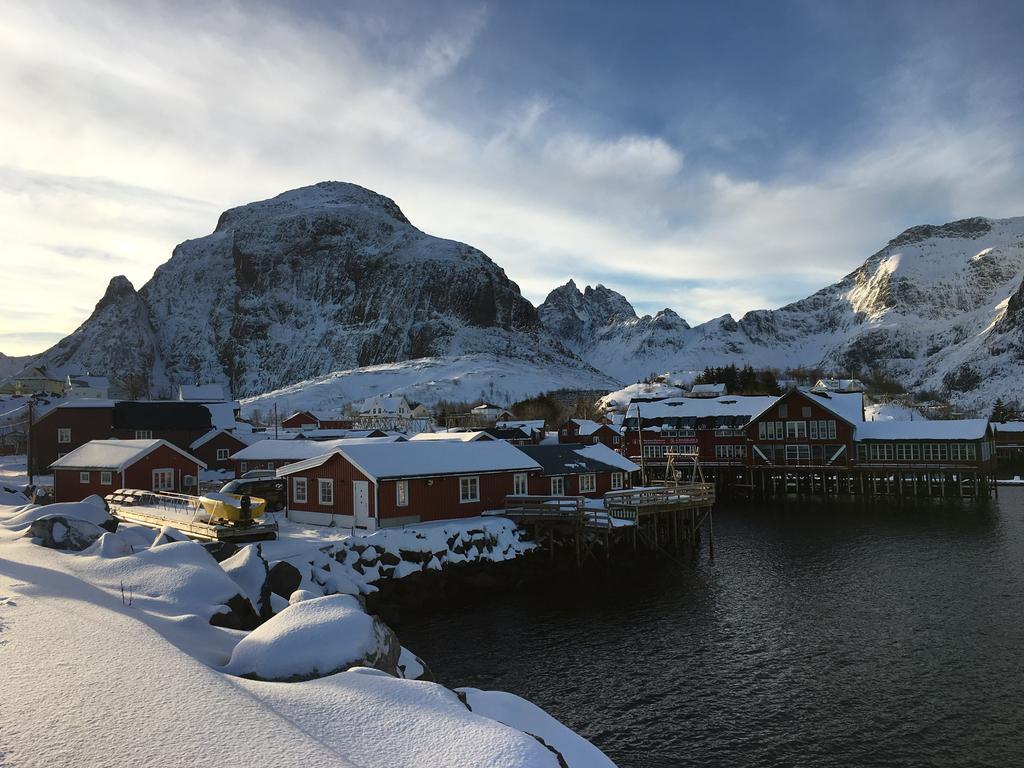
(589, 427)
(222, 415)
(88, 382)
(1008, 426)
(297, 450)
(846, 405)
(385, 404)
(462, 437)
(708, 389)
(702, 407)
(956, 429)
(203, 393)
(570, 459)
(487, 407)
(842, 385)
(115, 455)
(246, 438)
(424, 458)
(528, 424)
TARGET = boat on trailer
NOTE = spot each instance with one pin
(212, 517)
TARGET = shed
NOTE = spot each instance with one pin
(102, 466)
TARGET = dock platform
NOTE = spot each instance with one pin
(156, 509)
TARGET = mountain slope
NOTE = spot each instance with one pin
(318, 279)
(939, 307)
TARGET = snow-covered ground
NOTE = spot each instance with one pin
(14, 472)
(428, 380)
(110, 659)
(892, 412)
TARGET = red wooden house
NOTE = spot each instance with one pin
(806, 428)
(926, 445)
(216, 447)
(372, 485)
(311, 420)
(590, 432)
(578, 470)
(102, 466)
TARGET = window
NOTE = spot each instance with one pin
(798, 453)
(143, 434)
(558, 486)
(616, 481)
(83, 477)
(588, 483)
(243, 467)
(615, 440)
(402, 493)
(469, 489)
(796, 429)
(299, 490)
(188, 481)
(106, 478)
(163, 479)
(832, 429)
(64, 435)
(326, 492)
(519, 484)
(223, 453)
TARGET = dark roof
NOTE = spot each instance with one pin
(161, 415)
(508, 433)
(565, 459)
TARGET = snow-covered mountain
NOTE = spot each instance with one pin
(319, 279)
(939, 307)
(11, 365)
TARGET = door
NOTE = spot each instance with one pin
(361, 503)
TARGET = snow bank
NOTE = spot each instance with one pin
(315, 638)
(91, 510)
(520, 714)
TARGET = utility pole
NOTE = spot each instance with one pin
(28, 443)
(275, 420)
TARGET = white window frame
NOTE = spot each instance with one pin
(588, 483)
(469, 489)
(64, 435)
(223, 454)
(520, 484)
(558, 485)
(297, 497)
(106, 478)
(617, 481)
(143, 434)
(243, 467)
(161, 472)
(325, 484)
(401, 493)
(85, 477)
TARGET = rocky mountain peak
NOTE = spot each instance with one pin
(963, 228)
(324, 198)
(118, 288)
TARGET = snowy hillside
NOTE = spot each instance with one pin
(319, 279)
(428, 380)
(940, 307)
(11, 365)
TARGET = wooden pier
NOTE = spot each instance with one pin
(649, 518)
(184, 513)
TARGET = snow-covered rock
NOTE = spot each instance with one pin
(60, 532)
(315, 638)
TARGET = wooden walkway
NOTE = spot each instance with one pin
(649, 518)
(184, 513)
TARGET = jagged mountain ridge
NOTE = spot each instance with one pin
(317, 279)
(939, 307)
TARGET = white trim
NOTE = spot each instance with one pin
(561, 484)
(143, 434)
(322, 484)
(473, 488)
(516, 479)
(85, 476)
(61, 433)
(592, 482)
(300, 482)
(106, 477)
(161, 470)
(401, 493)
(223, 454)
(617, 481)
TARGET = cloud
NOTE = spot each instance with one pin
(137, 124)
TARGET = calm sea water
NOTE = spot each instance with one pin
(823, 634)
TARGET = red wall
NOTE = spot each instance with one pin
(68, 487)
(795, 402)
(85, 423)
(207, 452)
(342, 473)
(540, 485)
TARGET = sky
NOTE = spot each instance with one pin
(712, 157)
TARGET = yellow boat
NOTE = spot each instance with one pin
(232, 507)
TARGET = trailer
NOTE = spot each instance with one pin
(194, 516)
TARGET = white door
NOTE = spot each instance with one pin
(361, 503)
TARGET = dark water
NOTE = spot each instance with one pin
(823, 634)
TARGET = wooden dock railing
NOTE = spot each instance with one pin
(546, 507)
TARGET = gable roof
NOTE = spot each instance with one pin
(114, 455)
(589, 427)
(527, 424)
(462, 437)
(848, 406)
(212, 393)
(245, 438)
(424, 459)
(298, 450)
(954, 429)
(572, 459)
(89, 382)
(744, 407)
(509, 433)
